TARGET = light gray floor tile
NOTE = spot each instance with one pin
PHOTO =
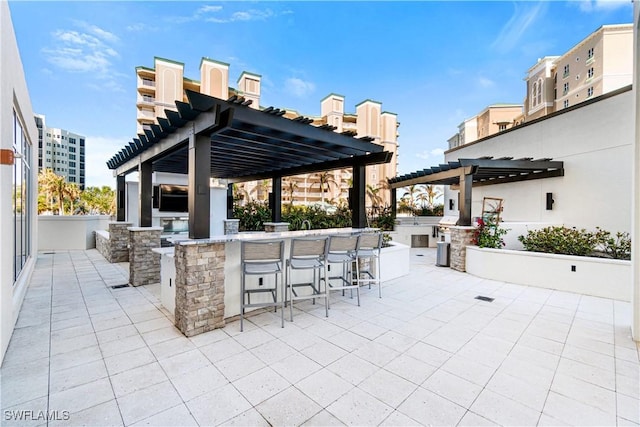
(428, 408)
(147, 402)
(452, 387)
(324, 387)
(356, 407)
(387, 387)
(573, 412)
(104, 414)
(322, 419)
(73, 377)
(474, 420)
(503, 410)
(137, 379)
(222, 349)
(323, 352)
(198, 382)
(239, 366)
(261, 385)
(218, 406)
(295, 367)
(82, 397)
(183, 363)
(176, 416)
(247, 418)
(290, 407)
(129, 360)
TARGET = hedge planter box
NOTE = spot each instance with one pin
(600, 277)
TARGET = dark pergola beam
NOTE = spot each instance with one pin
(120, 198)
(357, 197)
(276, 199)
(199, 192)
(527, 177)
(434, 177)
(145, 193)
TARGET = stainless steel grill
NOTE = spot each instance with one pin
(446, 222)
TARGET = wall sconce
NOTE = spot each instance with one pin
(452, 204)
(550, 201)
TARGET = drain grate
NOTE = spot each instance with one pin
(487, 299)
(48, 253)
(126, 285)
(419, 255)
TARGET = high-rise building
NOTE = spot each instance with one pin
(601, 63)
(158, 88)
(61, 151)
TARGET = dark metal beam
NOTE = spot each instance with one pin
(527, 177)
(434, 177)
(121, 213)
(464, 205)
(276, 199)
(145, 194)
(357, 196)
(199, 192)
(230, 201)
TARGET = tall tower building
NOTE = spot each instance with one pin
(61, 151)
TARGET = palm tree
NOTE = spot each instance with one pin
(100, 200)
(432, 193)
(374, 197)
(53, 186)
(326, 180)
(72, 193)
(262, 189)
(410, 195)
(290, 187)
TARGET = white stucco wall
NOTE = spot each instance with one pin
(70, 232)
(14, 96)
(595, 142)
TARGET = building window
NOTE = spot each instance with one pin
(539, 92)
(565, 88)
(72, 179)
(502, 126)
(590, 92)
(565, 104)
(72, 164)
(72, 171)
(590, 73)
(72, 149)
(566, 71)
(534, 91)
(590, 53)
(22, 209)
(72, 156)
(72, 140)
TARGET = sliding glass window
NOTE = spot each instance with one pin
(21, 202)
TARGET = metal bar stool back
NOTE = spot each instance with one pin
(260, 258)
(307, 254)
(369, 255)
(343, 250)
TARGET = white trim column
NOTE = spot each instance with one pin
(635, 225)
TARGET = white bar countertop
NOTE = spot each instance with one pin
(260, 235)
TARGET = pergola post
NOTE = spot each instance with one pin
(466, 183)
(199, 191)
(394, 201)
(145, 193)
(357, 195)
(120, 198)
(276, 199)
(230, 201)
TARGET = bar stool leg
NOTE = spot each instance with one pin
(282, 290)
(242, 302)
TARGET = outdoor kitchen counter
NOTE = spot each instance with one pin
(205, 262)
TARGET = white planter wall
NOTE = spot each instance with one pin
(394, 261)
(598, 277)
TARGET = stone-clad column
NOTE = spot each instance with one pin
(118, 242)
(199, 287)
(276, 227)
(231, 226)
(461, 237)
(144, 264)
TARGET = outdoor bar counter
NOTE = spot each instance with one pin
(202, 277)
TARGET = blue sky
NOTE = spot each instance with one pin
(432, 63)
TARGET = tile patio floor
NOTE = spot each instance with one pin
(426, 353)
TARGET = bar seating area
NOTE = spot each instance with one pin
(347, 253)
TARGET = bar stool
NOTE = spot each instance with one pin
(343, 250)
(369, 250)
(262, 258)
(308, 254)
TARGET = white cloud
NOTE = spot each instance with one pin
(299, 87)
(214, 13)
(524, 15)
(589, 6)
(88, 50)
(140, 27)
(430, 154)
(99, 150)
(485, 82)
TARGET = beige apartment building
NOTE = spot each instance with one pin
(493, 119)
(159, 87)
(601, 63)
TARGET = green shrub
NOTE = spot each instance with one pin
(252, 216)
(384, 220)
(618, 247)
(560, 240)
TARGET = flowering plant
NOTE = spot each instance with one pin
(488, 234)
